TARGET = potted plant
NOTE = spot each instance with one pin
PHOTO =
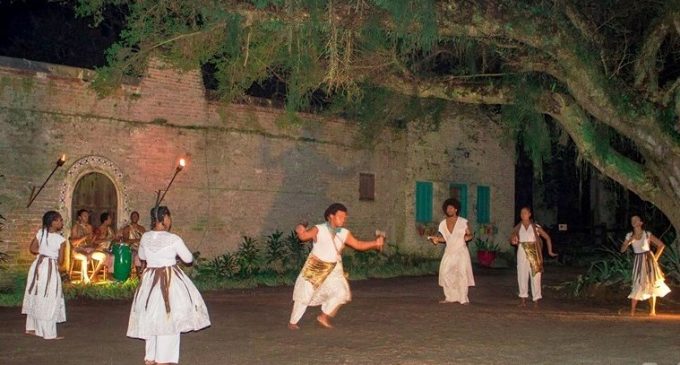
(486, 251)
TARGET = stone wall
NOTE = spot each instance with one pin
(247, 174)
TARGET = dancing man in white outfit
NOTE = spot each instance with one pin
(322, 280)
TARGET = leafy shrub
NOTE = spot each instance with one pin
(486, 245)
(296, 252)
(275, 251)
(247, 257)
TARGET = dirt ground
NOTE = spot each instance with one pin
(391, 321)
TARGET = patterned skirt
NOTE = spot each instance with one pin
(648, 279)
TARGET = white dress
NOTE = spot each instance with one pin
(335, 289)
(455, 270)
(44, 299)
(648, 280)
(183, 308)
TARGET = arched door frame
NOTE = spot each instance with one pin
(82, 167)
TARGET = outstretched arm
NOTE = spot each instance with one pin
(659, 246)
(548, 241)
(305, 234)
(354, 243)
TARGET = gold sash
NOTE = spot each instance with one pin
(316, 271)
(535, 261)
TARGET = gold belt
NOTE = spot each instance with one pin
(535, 261)
(316, 271)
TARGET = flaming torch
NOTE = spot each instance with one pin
(60, 162)
(179, 168)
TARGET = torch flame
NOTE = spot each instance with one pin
(182, 163)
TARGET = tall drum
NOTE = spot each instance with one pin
(122, 261)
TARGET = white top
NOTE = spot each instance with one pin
(641, 245)
(160, 248)
(328, 247)
(527, 234)
(50, 243)
(455, 238)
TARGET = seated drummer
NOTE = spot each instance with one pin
(132, 234)
(103, 237)
(81, 239)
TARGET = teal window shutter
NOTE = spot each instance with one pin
(423, 201)
(483, 204)
(460, 192)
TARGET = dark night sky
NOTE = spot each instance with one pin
(49, 31)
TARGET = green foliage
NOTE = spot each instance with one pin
(416, 23)
(609, 268)
(248, 257)
(109, 290)
(377, 108)
(296, 252)
(275, 251)
(523, 123)
(486, 245)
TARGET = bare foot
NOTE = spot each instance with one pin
(632, 313)
(324, 321)
(522, 302)
(31, 333)
(653, 314)
(536, 304)
(293, 326)
(149, 362)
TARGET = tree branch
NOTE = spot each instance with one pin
(646, 75)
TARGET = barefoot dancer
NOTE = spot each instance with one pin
(166, 302)
(322, 280)
(44, 300)
(648, 279)
(455, 270)
(527, 235)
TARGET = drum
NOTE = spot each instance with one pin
(122, 261)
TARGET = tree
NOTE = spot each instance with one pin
(606, 71)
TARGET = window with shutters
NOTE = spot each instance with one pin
(366, 186)
(483, 204)
(423, 201)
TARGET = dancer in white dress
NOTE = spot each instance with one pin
(455, 270)
(166, 303)
(322, 279)
(44, 305)
(529, 237)
(648, 279)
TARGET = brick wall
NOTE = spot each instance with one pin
(247, 174)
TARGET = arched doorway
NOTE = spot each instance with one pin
(96, 193)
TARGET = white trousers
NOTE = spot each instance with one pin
(44, 329)
(524, 277)
(163, 349)
(330, 308)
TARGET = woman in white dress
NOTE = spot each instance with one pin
(322, 280)
(648, 279)
(166, 303)
(455, 270)
(44, 305)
